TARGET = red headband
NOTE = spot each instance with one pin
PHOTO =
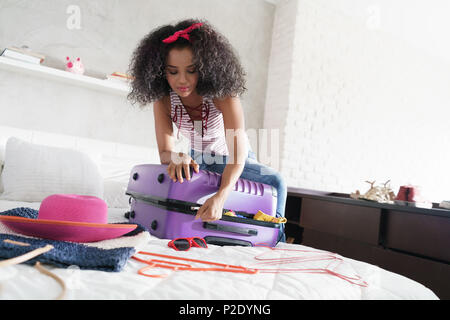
(182, 33)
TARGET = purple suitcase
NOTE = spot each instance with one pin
(167, 209)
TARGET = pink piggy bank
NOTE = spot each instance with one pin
(74, 66)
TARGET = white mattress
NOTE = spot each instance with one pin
(26, 282)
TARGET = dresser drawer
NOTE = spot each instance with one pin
(420, 234)
(349, 221)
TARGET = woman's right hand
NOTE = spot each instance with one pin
(179, 163)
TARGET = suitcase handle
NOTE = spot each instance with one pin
(238, 230)
(220, 241)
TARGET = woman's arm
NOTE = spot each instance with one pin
(233, 118)
(163, 130)
(234, 123)
(177, 162)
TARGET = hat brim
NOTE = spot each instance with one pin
(66, 230)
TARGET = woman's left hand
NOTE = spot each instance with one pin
(212, 209)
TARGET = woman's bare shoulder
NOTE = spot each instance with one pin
(163, 105)
(223, 103)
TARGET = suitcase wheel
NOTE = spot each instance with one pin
(130, 214)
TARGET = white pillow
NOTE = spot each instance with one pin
(2, 157)
(32, 172)
(114, 194)
(1, 183)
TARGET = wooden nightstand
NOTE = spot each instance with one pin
(407, 240)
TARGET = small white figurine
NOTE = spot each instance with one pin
(383, 194)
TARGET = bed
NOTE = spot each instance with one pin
(290, 271)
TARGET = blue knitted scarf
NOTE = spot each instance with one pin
(64, 253)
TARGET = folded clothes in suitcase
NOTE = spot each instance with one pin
(167, 209)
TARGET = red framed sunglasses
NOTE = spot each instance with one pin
(184, 244)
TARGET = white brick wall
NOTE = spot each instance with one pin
(355, 102)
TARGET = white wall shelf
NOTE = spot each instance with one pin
(110, 86)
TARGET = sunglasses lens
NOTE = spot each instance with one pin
(200, 242)
(182, 244)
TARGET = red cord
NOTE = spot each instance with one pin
(263, 262)
(318, 256)
(205, 118)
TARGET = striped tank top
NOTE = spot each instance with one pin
(206, 135)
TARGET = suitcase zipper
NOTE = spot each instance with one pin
(192, 208)
(169, 204)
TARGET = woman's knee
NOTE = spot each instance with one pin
(277, 180)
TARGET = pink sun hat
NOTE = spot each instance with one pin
(69, 217)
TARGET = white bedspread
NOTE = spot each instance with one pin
(26, 282)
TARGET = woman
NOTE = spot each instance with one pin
(192, 75)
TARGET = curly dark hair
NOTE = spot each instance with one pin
(220, 72)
